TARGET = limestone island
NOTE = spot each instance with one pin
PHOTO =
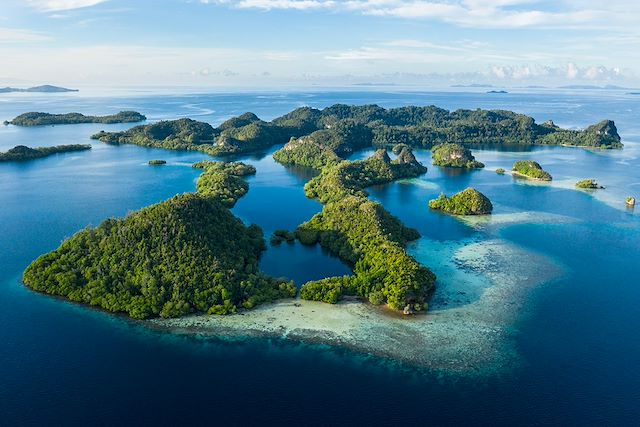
(454, 156)
(500, 171)
(41, 119)
(530, 169)
(345, 129)
(589, 184)
(21, 152)
(157, 162)
(467, 202)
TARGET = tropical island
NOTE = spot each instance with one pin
(38, 89)
(467, 202)
(190, 254)
(454, 156)
(186, 254)
(22, 152)
(345, 129)
(530, 169)
(157, 162)
(589, 184)
(41, 119)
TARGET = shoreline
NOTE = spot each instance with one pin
(468, 331)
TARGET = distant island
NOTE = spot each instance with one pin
(22, 152)
(157, 162)
(345, 129)
(467, 202)
(497, 91)
(40, 89)
(41, 119)
(530, 169)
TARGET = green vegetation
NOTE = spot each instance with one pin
(455, 156)
(241, 134)
(358, 231)
(466, 202)
(588, 184)
(280, 236)
(223, 181)
(601, 135)
(157, 162)
(500, 171)
(22, 152)
(187, 254)
(39, 119)
(344, 129)
(531, 169)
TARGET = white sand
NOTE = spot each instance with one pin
(468, 330)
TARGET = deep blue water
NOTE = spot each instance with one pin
(64, 364)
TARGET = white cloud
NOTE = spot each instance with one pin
(17, 35)
(570, 71)
(56, 5)
(466, 13)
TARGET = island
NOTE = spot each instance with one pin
(41, 119)
(358, 231)
(454, 156)
(38, 89)
(187, 254)
(21, 152)
(500, 171)
(589, 184)
(345, 129)
(467, 202)
(497, 91)
(280, 236)
(157, 162)
(190, 254)
(531, 170)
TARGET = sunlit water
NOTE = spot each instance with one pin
(577, 338)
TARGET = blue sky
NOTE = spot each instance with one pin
(269, 43)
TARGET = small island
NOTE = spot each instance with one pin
(467, 202)
(500, 171)
(41, 119)
(531, 170)
(280, 236)
(454, 156)
(589, 184)
(157, 162)
(497, 91)
(38, 89)
(22, 152)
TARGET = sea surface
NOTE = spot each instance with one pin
(577, 339)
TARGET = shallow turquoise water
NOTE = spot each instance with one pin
(577, 337)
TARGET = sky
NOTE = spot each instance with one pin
(286, 43)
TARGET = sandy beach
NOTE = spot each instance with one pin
(468, 330)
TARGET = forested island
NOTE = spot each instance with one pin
(344, 129)
(40, 119)
(530, 169)
(191, 254)
(186, 254)
(588, 184)
(455, 156)
(467, 202)
(358, 231)
(22, 152)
